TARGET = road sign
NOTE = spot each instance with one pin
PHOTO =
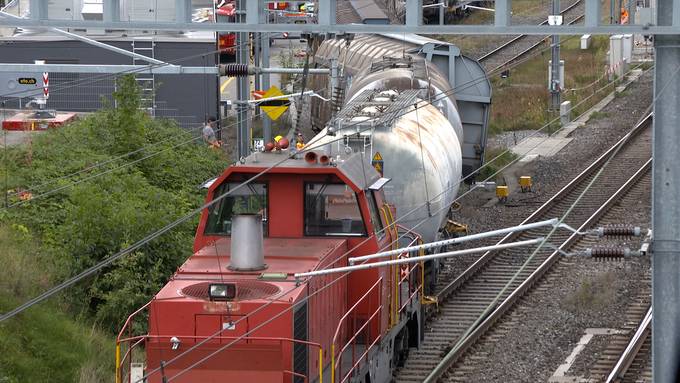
(274, 108)
(46, 84)
(378, 163)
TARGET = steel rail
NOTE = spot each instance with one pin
(631, 351)
(537, 274)
(520, 37)
(531, 48)
(477, 265)
(517, 294)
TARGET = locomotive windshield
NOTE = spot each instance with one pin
(249, 199)
(332, 210)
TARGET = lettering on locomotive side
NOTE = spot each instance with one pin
(27, 81)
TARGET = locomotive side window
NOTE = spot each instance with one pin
(249, 199)
(375, 215)
(332, 210)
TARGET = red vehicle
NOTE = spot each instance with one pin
(226, 42)
(238, 294)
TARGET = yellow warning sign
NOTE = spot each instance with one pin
(274, 108)
(378, 162)
(379, 167)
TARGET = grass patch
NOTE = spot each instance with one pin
(43, 344)
(521, 101)
(593, 292)
(598, 115)
(490, 168)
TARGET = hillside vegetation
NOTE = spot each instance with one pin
(134, 175)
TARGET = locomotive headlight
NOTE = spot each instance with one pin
(174, 341)
(222, 291)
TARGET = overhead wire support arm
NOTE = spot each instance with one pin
(84, 39)
(402, 261)
(472, 237)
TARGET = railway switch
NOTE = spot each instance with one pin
(525, 183)
(502, 193)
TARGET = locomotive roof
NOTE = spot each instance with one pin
(359, 172)
(281, 255)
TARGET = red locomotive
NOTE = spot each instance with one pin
(238, 293)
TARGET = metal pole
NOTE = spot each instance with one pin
(442, 8)
(243, 83)
(632, 8)
(266, 83)
(502, 13)
(666, 203)
(555, 67)
(257, 58)
(414, 12)
(111, 10)
(6, 151)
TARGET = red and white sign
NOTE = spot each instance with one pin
(46, 85)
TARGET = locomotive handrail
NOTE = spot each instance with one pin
(406, 278)
(129, 319)
(126, 326)
(135, 341)
(351, 341)
(299, 375)
(375, 287)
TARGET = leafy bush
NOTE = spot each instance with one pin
(136, 174)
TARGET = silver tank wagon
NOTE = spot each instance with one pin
(419, 148)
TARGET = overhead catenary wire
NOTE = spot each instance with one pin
(106, 76)
(401, 217)
(132, 248)
(122, 166)
(491, 306)
(292, 307)
(5, 317)
(432, 377)
(467, 84)
(111, 260)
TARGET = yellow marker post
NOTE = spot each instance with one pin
(320, 364)
(119, 378)
(525, 183)
(333, 363)
(502, 193)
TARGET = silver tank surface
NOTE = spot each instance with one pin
(420, 148)
(247, 246)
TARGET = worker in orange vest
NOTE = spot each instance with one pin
(299, 141)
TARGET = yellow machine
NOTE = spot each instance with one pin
(525, 183)
(502, 193)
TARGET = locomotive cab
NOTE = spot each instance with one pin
(229, 314)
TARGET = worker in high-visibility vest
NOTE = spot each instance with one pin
(299, 141)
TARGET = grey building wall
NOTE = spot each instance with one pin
(186, 98)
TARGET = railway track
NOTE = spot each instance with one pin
(465, 298)
(518, 46)
(560, 274)
(628, 356)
